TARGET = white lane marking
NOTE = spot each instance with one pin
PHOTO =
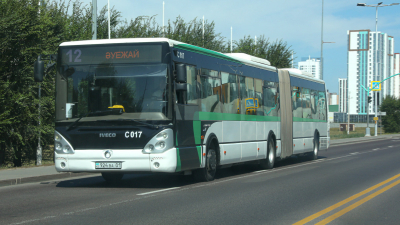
(390, 146)
(354, 153)
(29, 221)
(151, 192)
(376, 149)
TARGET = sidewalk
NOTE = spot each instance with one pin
(44, 173)
(33, 174)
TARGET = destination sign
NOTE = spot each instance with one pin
(77, 55)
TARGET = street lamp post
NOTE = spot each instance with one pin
(376, 62)
(322, 43)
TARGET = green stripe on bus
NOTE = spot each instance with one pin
(178, 161)
(207, 52)
(296, 119)
(197, 132)
(199, 152)
(233, 117)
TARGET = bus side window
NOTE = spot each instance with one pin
(321, 105)
(210, 91)
(296, 102)
(305, 92)
(258, 98)
(271, 101)
(229, 93)
(314, 104)
(247, 103)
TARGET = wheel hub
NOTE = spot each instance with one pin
(211, 160)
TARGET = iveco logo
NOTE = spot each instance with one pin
(109, 135)
(107, 154)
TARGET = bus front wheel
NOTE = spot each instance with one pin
(208, 172)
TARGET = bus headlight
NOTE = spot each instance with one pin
(57, 137)
(61, 145)
(67, 149)
(160, 145)
(160, 142)
(149, 148)
(58, 146)
(162, 136)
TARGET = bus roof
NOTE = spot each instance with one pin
(302, 74)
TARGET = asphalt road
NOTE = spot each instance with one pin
(348, 184)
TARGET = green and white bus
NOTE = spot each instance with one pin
(159, 105)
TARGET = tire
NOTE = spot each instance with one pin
(208, 172)
(314, 154)
(268, 163)
(112, 178)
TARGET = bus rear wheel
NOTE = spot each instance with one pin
(314, 154)
(208, 172)
(268, 163)
(112, 178)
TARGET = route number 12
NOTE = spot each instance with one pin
(77, 52)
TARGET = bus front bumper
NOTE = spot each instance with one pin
(128, 160)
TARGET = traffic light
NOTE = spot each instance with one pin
(369, 99)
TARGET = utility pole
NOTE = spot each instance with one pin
(231, 39)
(322, 42)
(39, 148)
(203, 31)
(163, 34)
(348, 115)
(94, 19)
(109, 32)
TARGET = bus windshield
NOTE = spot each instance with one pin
(116, 91)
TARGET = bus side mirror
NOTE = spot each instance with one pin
(38, 71)
(181, 73)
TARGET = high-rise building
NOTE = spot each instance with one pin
(311, 65)
(333, 99)
(370, 57)
(343, 95)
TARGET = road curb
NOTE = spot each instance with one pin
(360, 140)
(41, 178)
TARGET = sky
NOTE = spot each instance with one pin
(298, 22)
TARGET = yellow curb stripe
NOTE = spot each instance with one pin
(320, 213)
(355, 205)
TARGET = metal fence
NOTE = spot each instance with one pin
(342, 118)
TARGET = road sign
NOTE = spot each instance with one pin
(381, 113)
(376, 118)
(375, 85)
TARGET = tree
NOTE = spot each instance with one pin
(192, 33)
(26, 30)
(277, 53)
(391, 122)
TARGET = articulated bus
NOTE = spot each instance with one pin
(159, 105)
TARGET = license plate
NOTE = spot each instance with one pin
(108, 165)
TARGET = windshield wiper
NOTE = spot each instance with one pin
(96, 113)
(135, 120)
